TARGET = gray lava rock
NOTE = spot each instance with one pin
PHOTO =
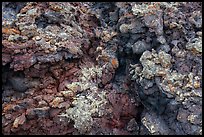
(11, 10)
(164, 47)
(18, 84)
(155, 124)
(133, 126)
(42, 112)
(140, 46)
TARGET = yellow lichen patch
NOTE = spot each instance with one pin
(108, 36)
(73, 86)
(196, 84)
(67, 93)
(55, 7)
(161, 73)
(57, 101)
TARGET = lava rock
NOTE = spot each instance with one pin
(18, 84)
(155, 124)
(140, 46)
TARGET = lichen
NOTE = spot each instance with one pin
(153, 64)
(195, 45)
(91, 102)
(158, 66)
(84, 108)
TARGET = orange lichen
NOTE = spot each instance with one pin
(114, 63)
(10, 31)
(7, 107)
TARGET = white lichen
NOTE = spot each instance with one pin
(90, 103)
(158, 66)
(195, 45)
(84, 108)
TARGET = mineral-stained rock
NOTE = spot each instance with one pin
(48, 98)
(19, 121)
(56, 101)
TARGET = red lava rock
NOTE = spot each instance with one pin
(54, 112)
(122, 105)
(26, 126)
(108, 86)
(23, 61)
(48, 123)
(7, 129)
(5, 122)
(62, 86)
(56, 71)
(33, 72)
(106, 78)
(68, 66)
(48, 98)
(53, 131)
(51, 48)
(14, 46)
(50, 91)
(48, 81)
(6, 58)
(67, 131)
(71, 72)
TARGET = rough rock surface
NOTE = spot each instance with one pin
(93, 68)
